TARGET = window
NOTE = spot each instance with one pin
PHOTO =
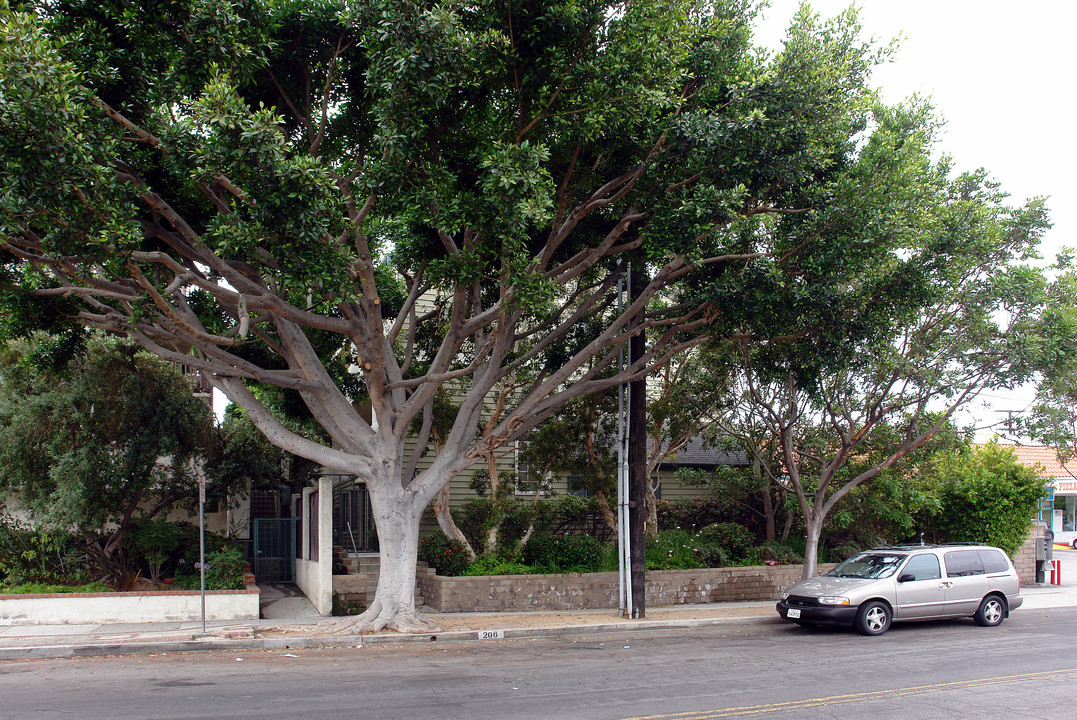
(528, 481)
(923, 567)
(1066, 507)
(312, 527)
(964, 562)
(994, 561)
(576, 486)
(868, 566)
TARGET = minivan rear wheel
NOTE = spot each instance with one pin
(873, 618)
(992, 611)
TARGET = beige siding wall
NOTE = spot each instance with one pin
(674, 489)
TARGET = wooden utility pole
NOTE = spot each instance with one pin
(637, 454)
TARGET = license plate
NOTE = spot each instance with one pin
(793, 613)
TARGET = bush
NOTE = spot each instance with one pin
(774, 551)
(572, 515)
(561, 515)
(157, 543)
(987, 496)
(448, 557)
(478, 515)
(495, 565)
(712, 556)
(224, 571)
(732, 539)
(183, 561)
(564, 553)
(34, 555)
(673, 550)
(841, 553)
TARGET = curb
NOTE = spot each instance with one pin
(84, 650)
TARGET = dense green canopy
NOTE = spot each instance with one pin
(368, 204)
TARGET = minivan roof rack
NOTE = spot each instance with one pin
(914, 546)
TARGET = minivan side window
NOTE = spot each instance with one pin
(923, 567)
(963, 562)
(994, 561)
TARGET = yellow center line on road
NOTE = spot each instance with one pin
(857, 697)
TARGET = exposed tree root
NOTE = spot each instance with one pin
(376, 619)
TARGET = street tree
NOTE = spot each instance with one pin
(739, 428)
(939, 304)
(424, 195)
(109, 439)
(1052, 419)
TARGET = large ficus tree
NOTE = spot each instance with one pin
(364, 203)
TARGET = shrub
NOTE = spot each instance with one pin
(111, 568)
(224, 571)
(693, 513)
(157, 542)
(712, 556)
(495, 565)
(564, 515)
(572, 515)
(564, 553)
(447, 556)
(987, 496)
(182, 562)
(476, 516)
(732, 539)
(673, 550)
(841, 552)
(774, 551)
(34, 555)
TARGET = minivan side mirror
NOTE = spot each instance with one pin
(907, 577)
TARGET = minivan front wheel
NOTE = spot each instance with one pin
(991, 612)
(873, 618)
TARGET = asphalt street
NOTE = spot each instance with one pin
(951, 669)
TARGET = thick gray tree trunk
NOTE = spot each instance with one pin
(811, 547)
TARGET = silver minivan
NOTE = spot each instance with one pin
(908, 582)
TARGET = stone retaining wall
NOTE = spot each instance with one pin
(501, 593)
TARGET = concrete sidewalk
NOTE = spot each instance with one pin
(22, 642)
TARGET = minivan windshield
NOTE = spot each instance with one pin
(868, 566)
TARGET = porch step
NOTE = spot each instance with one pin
(368, 566)
(350, 562)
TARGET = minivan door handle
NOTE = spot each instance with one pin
(945, 584)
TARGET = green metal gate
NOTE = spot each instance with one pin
(274, 549)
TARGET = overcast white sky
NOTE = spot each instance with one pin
(1002, 75)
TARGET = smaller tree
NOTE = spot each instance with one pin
(884, 340)
(1053, 418)
(102, 441)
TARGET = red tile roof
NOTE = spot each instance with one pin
(1046, 457)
